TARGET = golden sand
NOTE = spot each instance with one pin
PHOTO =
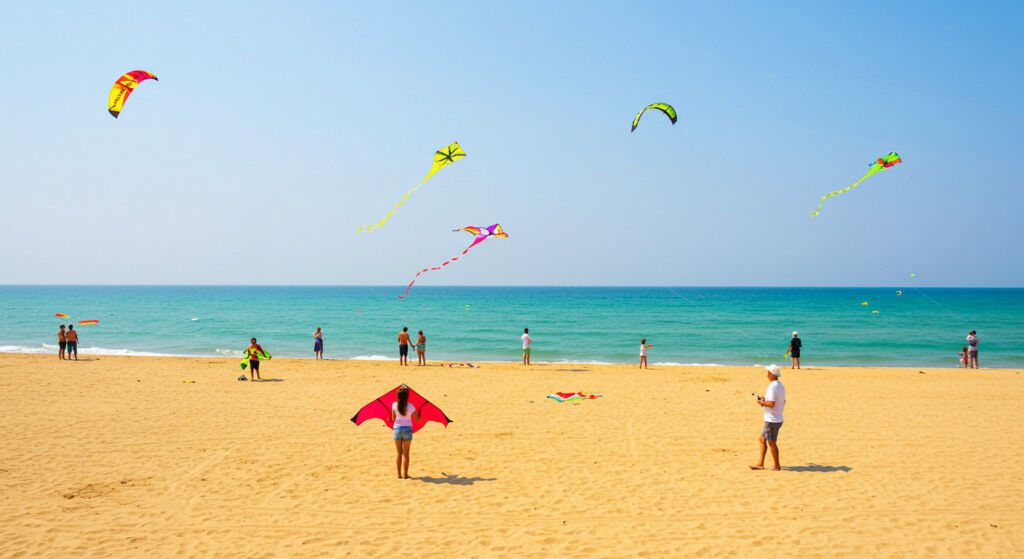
(119, 456)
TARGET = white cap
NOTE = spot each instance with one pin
(774, 369)
(794, 332)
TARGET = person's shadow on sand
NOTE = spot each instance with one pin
(269, 380)
(453, 479)
(816, 468)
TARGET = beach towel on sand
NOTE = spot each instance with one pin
(569, 396)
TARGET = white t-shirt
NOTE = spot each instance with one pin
(776, 393)
(972, 343)
(526, 341)
(403, 420)
(643, 350)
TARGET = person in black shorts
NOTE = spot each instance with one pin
(794, 351)
(72, 338)
(254, 352)
(403, 346)
(62, 341)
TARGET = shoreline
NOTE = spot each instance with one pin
(443, 363)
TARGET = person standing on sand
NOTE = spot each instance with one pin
(403, 346)
(527, 340)
(421, 349)
(972, 348)
(253, 352)
(72, 338)
(643, 352)
(318, 343)
(62, 342)
(773, 402)
(402, 415)
(794, 351)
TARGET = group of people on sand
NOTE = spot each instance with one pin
(969, 354)
(403, 347)
(403, 413)
(67, 341)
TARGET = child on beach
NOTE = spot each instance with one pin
(963, 357)
(643, 353)
(402, 415)
(527, 340)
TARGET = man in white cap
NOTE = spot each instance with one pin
(773, 402)
(794, 351)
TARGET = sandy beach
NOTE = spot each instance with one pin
(122, 456)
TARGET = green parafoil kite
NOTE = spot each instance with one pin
(663, 107)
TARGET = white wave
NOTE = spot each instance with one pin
(195, 318)
(674, 364)
(371, 358)
(568, 362)
(47, 348)
(229, 352)
(44, 348)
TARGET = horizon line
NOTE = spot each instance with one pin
(592, 286)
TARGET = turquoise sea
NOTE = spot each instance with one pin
(685, 325)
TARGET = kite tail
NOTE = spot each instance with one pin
(831, 194)
(365, 228)
(443, 264)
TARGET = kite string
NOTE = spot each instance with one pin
(696, 306)
(715, 316)
(959, 318)
(951, 313)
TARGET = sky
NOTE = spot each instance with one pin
(276, 130)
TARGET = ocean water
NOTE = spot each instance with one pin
(685, 325)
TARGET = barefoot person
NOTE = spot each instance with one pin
(972, 348)
(403, 346)
(527, 340)
(794, 351)
(421, 349)
(62, 342)
(255, 352)
(643, 353)
(773, 402)
(402, 414)
(318, 344)
(72, 338)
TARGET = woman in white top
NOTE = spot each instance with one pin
(402, 414)
(643, 352)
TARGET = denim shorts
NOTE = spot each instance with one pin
(403, 433)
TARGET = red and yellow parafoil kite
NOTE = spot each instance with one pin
(123, 88)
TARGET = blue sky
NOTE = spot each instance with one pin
(274, 133)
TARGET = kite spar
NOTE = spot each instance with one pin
(381, 409)
(442, 157)
(882, 163)
(481, 233)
